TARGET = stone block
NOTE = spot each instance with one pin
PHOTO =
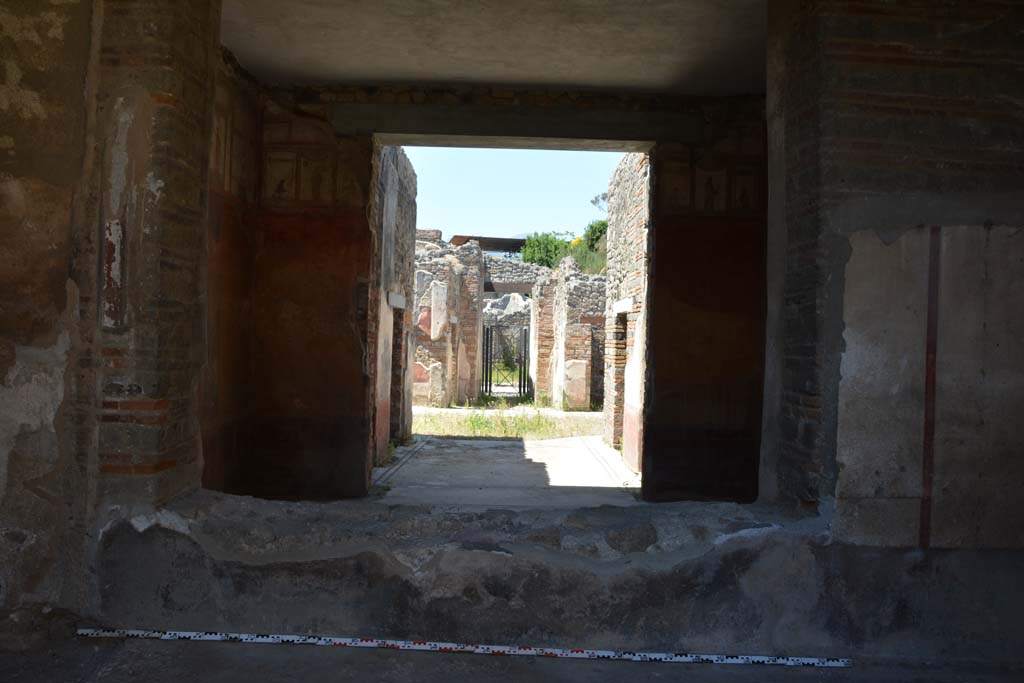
(438, 310)
(577, 385)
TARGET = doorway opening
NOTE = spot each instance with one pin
(506, 362)
(510, 302)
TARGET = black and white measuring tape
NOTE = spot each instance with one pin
(428, 646)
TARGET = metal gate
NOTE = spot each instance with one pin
(506, 366)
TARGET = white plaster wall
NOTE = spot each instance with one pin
(881, 409)
(979, 412)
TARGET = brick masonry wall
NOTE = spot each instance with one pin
(628, 226)
(393, 207)
(155, 100)
(542, 337)
(405, 263)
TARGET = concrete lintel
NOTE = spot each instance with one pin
(516, 126)
(512, 142)
(623, 305)
(396, 300)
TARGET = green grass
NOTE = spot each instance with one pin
(502, 424)
(503, 402)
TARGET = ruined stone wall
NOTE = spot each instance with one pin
(511, 270)
(625, 340)
(578, 303)
(884, 120)
(449, 285)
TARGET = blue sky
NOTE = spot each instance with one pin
(508, 192)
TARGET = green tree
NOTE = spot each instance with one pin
(594, 232)
(545, 249)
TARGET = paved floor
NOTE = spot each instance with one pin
(160, 662)
(577, 471)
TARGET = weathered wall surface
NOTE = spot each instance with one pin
(626, 305)
(705, 363)
(309, 422)
(979, 391)
(449, 321)
(881, 400)
(292, 353)
(393, 207)
(671, 577)
(44, 58)
(577, 357)
(893, 118)
(155, 103)
(962, 492)
(105, 156)
(233, 176)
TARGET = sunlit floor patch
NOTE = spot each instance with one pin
(567, 472)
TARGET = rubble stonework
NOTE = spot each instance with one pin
(628, 224)
(447, 308)
(567, 347)
(502, 270)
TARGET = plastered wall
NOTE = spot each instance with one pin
(887, 126)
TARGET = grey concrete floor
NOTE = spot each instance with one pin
(580, 471)
(157, 662)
